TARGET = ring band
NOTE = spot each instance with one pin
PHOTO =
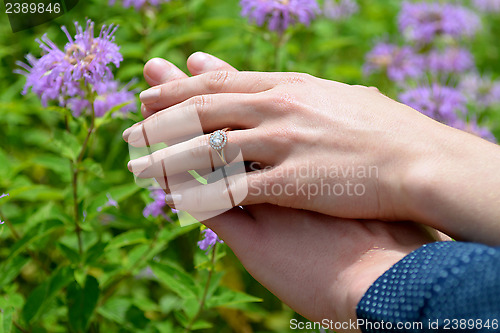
(218, 141)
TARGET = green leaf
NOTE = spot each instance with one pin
(93, 167)
(61, 110)
(229, 297)
(42, 295)
(115, 309)
(10, 269)
(47, 211)
(5, 164)
(164, 326)
(59, 165)
(94, 253)
(66, 144)
(128, 238)
(108, 116)
(6, 320)
(136, 317)
(35, 233)
(118, 193)
(69, 253)
(37, 193)
(175, 279)
(81, 303)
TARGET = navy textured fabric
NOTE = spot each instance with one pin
(440, 287)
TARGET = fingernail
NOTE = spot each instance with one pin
(150, 96)
(126, 133)
(129, 130)
(158, 70)
(137, 166)
(201, 60)
(172, 199)
(137, 136)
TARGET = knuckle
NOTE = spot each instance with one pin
(216, 80)
(283, 100)
(201, 104)
(280, 140)
(294, 78)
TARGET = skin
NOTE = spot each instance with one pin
(425, 171)
(317, 264)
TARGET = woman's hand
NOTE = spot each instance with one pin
(320, 145)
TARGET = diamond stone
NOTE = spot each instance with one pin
(218, 139)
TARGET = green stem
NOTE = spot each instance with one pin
(19, 327)
(205, 292)
(75, 169)
(278, 48)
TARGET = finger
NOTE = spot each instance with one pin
(200, 114)
(167, 183)
(158, 71)
(174, 92)
(197, 154)
(200, 62)
(235, 190)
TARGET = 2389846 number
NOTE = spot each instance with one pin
(470, 324)
(32, 8)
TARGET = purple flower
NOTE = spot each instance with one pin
(488, 5)
(58, 74)
(398, 62)
(157, 207)
(482, 91)
(473, 128)
(139, 4)
(279, 14)
(109, 203)
(86, 60)
(210, 239)
(146, 273)
(439, 102)
(340, 9)
(423, 21)
(451, 60)
(110, 95)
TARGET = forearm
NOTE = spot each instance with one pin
(455, 186)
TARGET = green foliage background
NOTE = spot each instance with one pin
(46, 285)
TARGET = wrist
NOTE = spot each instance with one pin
(452, 185)
(364, 274)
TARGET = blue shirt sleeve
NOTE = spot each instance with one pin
(444, 286)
